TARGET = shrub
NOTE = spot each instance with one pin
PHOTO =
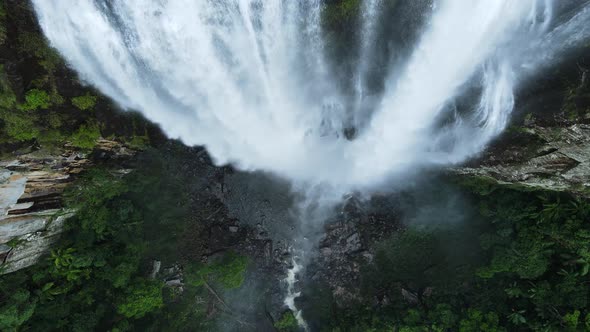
(17, 310)
(19, 127)
(85, 137)
(143, 298)
(51, 138)
(54, 120)
(85, 102)
(36, 99)
(288, 322)
(228, 271)
(56, 98)
(571, 320)
(139, 142)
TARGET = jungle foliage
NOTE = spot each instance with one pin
(527, 270)
(42, 102)
(97, 276)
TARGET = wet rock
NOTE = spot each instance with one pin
(560, 163)
(31, 188)
(349, 243)
(156, 265)
(171, 276)
(353, 244)
(27, 248)
(410, 297)
(368, 256)
(385, 301)
(174, 283)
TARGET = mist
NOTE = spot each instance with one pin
(251, 81)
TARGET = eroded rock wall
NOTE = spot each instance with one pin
(31, 209)
(547, 158)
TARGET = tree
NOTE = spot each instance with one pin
(142, 298)
(17, 310)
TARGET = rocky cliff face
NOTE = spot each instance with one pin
(31, 188)
(538, 157)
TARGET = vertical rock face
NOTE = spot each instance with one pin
(552, 158)
(31, 188)
(31, 199)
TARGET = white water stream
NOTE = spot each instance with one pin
(249, 78)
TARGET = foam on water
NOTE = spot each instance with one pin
(249, 79)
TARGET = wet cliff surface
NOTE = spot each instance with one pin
(31, 205)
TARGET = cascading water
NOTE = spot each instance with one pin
(251, 81)
(369, 13)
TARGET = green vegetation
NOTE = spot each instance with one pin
(96, 277)
(34, 43)
(95, 261)
(18, 309)
(142, 298)
(528, 270)
(7, 96)
(85, 102)
(34, 87)
(287, 323)
(228, 271)
(521, 263)
(19, 127)
(85, 137)
(36, 99)
(2, 24)
(341, 12)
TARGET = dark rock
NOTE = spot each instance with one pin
(410, 297)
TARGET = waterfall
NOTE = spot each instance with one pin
(252, 82)
(369, 16)
(250, 79)
(291, 280)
